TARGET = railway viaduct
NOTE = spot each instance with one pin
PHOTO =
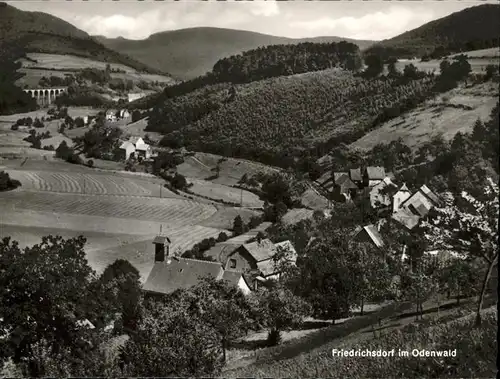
(45, 96)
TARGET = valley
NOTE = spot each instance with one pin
(220, 202)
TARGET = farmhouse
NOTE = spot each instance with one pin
(416, 206)
(256, 259)
(356, 176)
(400, 197)
(373, 175)
(345, 187)
(136, 146)
(123, 113)
(171, 273)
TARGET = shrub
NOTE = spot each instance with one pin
(6, 183)
(90, 163)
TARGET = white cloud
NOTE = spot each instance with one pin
(138, 27)
(263, 8)
(376, 26)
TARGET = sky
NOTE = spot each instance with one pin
(132, 19)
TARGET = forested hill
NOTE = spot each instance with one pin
(470, 29)
(189, 53)
(274, 119)
(282, 60)
(274, 61)
(43, 33)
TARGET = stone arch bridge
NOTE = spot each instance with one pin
(45, 96)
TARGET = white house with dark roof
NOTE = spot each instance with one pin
(256, 260)
(416, 206)
(400, 197)
(171, 273)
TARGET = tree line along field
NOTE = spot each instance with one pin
(294, 112)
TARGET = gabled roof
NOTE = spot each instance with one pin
(221, 251)
(232, 277)
(134, 140)
(355, 174)
(404, 188)
(431, 195)
(266, 267)
(406, 218)
(338, 175)
(375, 172)
(346, 183)
(372, 233)
(262, 250)
(176, 273)
(126, 145)
(161, 239)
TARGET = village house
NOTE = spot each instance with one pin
(356, 176)
(256, 261)
(124, 113)
(370, 234)
(415, 207)
(380, 193)
(400, 197)
(111, 115)
(344, 187)
(171, 273)
(373, 175)
(135, 146)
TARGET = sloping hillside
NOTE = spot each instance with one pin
(475, 25)
(40, 32)
(450, 113)
(296, 112)
(188, 53)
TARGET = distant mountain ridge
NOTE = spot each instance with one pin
(188, 53)
(478, 24)
(44, 33)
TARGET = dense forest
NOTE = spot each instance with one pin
(12, 98)
(295, 113)
(470, 29)
(273, 61)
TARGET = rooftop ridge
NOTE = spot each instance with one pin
(199, 260)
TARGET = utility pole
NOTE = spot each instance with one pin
(241, 197)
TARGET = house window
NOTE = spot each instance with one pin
(232, 263)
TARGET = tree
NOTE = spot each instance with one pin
(179, 181)
(43, 297)
(279, 310)
(224, 307)
(172, 341)
(6, 183)
(328, 274)
(469, 226)
(37, 123)
(238, 226)
(374, 276)
(120, 287)
(375, 65)
(79, 123)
